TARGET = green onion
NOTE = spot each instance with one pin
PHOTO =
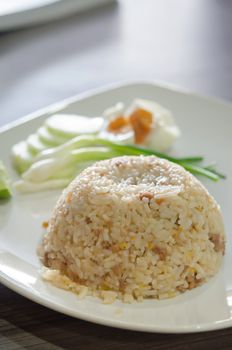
(5, 191)
(213, 170)
(186, 162)
(59, 165)
(91, 140)
(51, 168)
(144, 151)
(197, 170)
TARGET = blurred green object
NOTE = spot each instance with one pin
(5, 191)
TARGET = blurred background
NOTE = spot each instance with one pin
(50, 50)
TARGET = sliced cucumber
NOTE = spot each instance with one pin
(22, 157)
(50, 139)
(35, 144)
(69, 125)
(5, 191)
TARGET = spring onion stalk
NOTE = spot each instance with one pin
(5, 191)
(48, 168)
(144, 151)
(211, 168)
(197, 170)
(91, 140)
(25, 186)
(73, 144)
(56, 167)
(45, 169)
(189, 163)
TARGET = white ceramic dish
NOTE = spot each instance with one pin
(206, 126)
(15, 14)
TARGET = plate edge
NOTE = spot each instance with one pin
(57, 106)
(23, 291)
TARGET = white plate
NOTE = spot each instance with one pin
(206, 125)
(15, 14)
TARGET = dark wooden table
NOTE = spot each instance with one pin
(186, 43)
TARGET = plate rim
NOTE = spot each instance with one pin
(119, 324)
(59, 104)
(23, 290)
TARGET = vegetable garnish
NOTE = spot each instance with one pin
(66, 144)
(5, 191)
(192, 164)
(57, 166)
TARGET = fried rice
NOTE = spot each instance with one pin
(133, 228)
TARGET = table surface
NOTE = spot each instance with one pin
(185, 43)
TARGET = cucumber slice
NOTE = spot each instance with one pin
(48, 138)
(69, 125)
(35, 145)
(5, 191)
(22, 157)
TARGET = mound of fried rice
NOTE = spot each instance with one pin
(133, 228)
